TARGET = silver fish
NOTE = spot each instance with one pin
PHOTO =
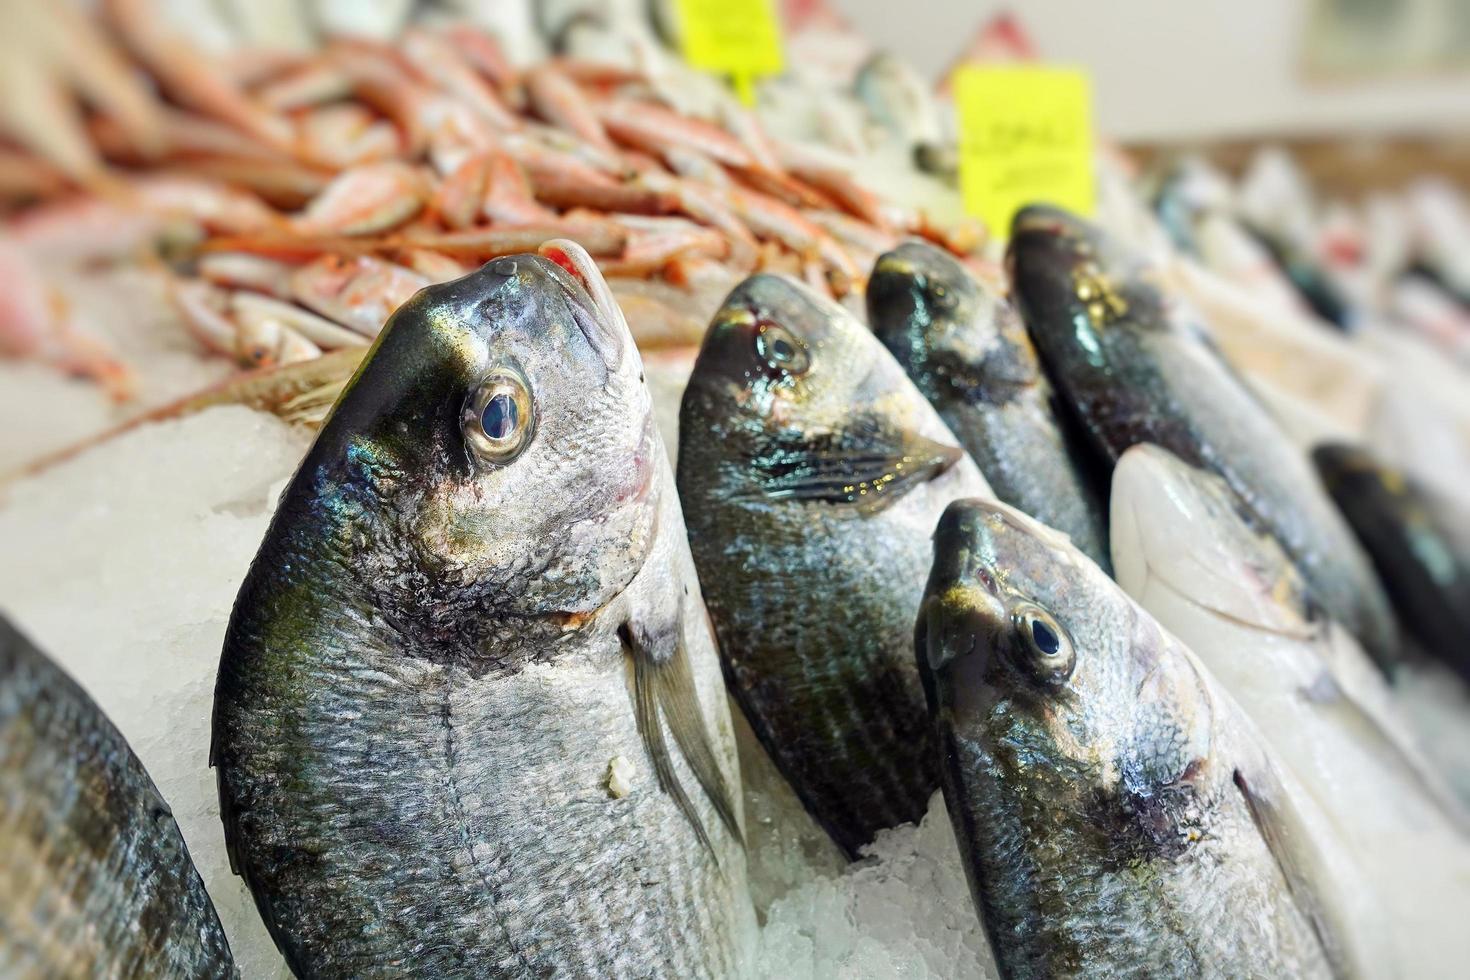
(95, 878)
(1235, 598)
(1136, 366)
(469, 719)
(812, 472)
(1116, 812)
(967, 350)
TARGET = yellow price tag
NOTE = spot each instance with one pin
(1025, 138)
(740, 38)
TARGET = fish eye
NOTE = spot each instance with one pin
(779, 349)
(1044, 651)
(498, 418)
(941, 297)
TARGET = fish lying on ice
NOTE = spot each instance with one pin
(811, 473)
(95, 879)
(1236, 600)
(1117, 814)
(1420, 541)
(967, 350)
(469, 719)
(1137, 367)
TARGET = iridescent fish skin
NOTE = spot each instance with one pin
(95, 879)
(1116, 814)
(470, 610)
(967, 350)
(1136, 366)
(812, 472)
(1418, 542)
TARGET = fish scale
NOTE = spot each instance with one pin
(432, 664)
(95, 879)
(1117, 813)
(810, 502)
(1138, 367)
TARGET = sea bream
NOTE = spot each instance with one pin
(811, 473)
(1117, 813)
(1420, 542)
(1236, 600)
(95, 878)
(1137, 365)
(967, 350)
(469, 718)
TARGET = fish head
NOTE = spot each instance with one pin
(1229, 570)
(1077, 286)
(778, 348)
(793, 398)
(1035, 658)
(496, 447)
(947, 329)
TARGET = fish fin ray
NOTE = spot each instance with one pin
(1279, 832)
(679, 701)
(648, 697)
(867, 464)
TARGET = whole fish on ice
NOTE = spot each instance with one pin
(469, 720)
(967, 351)
(1117, 814)
(1137, 367)
(811, 473)
(1419, 540)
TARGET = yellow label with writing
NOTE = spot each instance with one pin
(740, 38)
(1025, 138)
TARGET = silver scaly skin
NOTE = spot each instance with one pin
(475, 599)
(812, 472)
(1116, 812)
(967, 350)
(95, 879)
(1137, 366)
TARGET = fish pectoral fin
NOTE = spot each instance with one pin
(867, 464)
(1290, 842)
(664, 694)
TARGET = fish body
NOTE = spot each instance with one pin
(1116, 813)
(1419, 541)
(811, 473)
(967, 350)
(469, 718)
(897, 100)
(95, 878)
(1237, 601)
(1137, 367)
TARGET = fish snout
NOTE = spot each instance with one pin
(962, 625)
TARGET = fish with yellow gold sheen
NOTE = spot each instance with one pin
(1137, 366)
(967, 350)
(811, 473)
(469, 719)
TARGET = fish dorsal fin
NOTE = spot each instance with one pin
(664, 693)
